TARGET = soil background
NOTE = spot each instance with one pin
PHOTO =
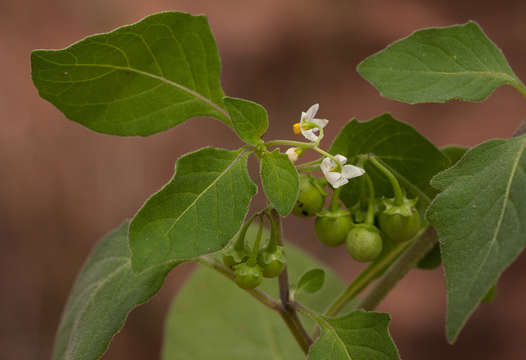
(62, 186)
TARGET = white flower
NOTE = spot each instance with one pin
(310, 126)
(292, 153)
(341, 177)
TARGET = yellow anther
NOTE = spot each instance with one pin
(296, 128)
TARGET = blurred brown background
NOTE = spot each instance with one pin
(62, 186)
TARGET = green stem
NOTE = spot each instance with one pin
(240, 242)
(309, 164)
(262, 297)
(326, 154)
(300, 144)
(369, 220)
(407, 261)
(334, 204)
(399, 196)
(289, 311)
(252, 261)
(272, 244)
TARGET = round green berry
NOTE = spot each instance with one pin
(332, 227)
(310, 198)
(248, 276)
(399, 227)
(364, 243)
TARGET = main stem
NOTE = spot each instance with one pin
(288, 310)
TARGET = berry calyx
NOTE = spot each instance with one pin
(364, 242)
(399, 222)
(310, 198)
(272, 262)
(332, 227)
(248, 276)
(233, 256)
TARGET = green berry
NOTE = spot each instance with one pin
(272, 262)
(332, 227)
(310, 198)
(364, 243)
(399, 222)
(248, 276)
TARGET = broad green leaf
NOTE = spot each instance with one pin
(480, 217)
(212, 318)
(433, 259)
(106, 290)
(440, 64)
(454, 153)
(310, 282)
(139, 79)
(196, 213)
(250, 120)
(280, 181)
(360, 335)
(408, 154)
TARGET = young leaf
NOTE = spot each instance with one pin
(106, 290)
(280, 181)
(139, 79)
(440, 64)
(359, 335)
(408, 154)
(196, 213)
(211, 310)
(310, 282)
(250, 120)
(480, 217)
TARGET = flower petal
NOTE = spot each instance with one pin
(309, 115)
(310, 135)
(320, 122)
(326, 165)
(333, 177)
(341, 159)
(351, 171)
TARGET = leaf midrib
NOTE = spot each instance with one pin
(503, 208)
(205, 190)
(498, 75)
(147, 74)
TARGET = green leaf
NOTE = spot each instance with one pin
(280, 181)
(454, 153)
(310, 282)
(360, 335)
(480, 217)
(440, 64)
(250, 120)
(408, 154)
(212, 318)
(139, 79)
(106, 290)
(432, 260)
(197, 212)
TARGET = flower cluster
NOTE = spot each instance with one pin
(334, 169)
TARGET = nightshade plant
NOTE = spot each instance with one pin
(391, 196)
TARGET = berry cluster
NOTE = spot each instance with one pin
(251, 265)
(363, 228)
